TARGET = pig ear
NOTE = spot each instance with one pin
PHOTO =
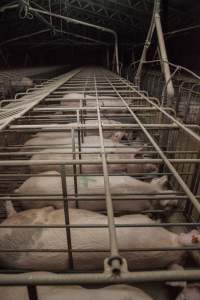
(170, 202)
(10, 210)
(164, 203)
(161, 181)
(182, 284)
(137, 153)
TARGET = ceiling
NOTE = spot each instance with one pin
(129, 18)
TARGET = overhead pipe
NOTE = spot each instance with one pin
(70, 33)
(24, 37)
(75, 21)
(82, 37)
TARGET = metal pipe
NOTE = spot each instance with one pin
(163, 53)
(146, 46)
(104, 126)
(115, 259)
(99, 278)
(24, 36)
(94, 161)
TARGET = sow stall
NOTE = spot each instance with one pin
(102, 95)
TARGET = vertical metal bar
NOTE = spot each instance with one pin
(115, 263)
(74, 168)
(66, 215)
(79, 138)
(32, 292)
(108, 57)
(116, 51)
(146, 47)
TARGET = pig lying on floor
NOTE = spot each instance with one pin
(91, 144)
(86, 239)
(94, 185)
(112, 292)
(106, 133)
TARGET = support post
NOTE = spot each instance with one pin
(163, 54)
(146, 46)
(108, 58)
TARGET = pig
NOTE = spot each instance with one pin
(64, 139)
(190, 292)
(73, 100)
(112, 292)
(94, 185)
(16, 85)
(120, 135)
(92, 144)
(21, 84)
(87, 240)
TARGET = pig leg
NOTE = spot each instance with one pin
(10, 210)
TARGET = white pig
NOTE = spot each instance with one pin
(22, 83)
(65, 139)
(121, 134)
(88, 240)
(190, 292)
(112, 292)
(92, 144)
(94, 185)
(73, 100)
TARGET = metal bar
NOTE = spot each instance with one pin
(104, 126)
(92, 162)
(66, 215)
(146, 46)
(114, 252)
(24, 36)
(99, 278)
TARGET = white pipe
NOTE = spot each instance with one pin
(164, 58)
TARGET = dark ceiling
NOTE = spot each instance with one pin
(129, 18)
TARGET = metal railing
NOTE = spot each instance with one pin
(167, 143)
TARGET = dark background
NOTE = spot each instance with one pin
(51, 49)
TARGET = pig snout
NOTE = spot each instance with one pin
(150, 168)
(190, 239)
(170, 202)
